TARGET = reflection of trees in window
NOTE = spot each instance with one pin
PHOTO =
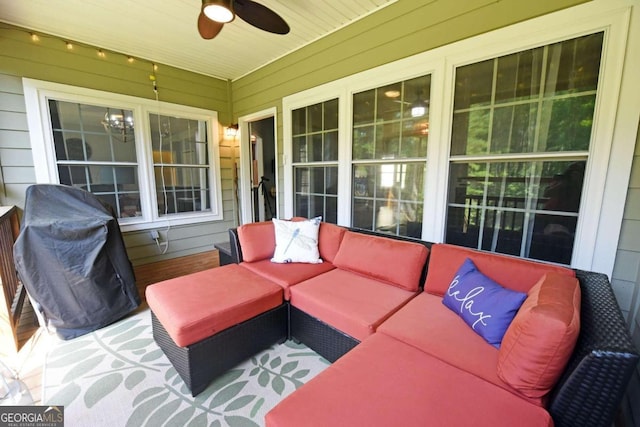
(532, 106)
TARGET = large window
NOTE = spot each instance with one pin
(315, 160)
(389, 148)
(180, 164)
(519, 147)
(154, 163)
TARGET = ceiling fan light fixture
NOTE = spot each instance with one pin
(218, 10)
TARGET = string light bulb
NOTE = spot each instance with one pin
(71, 46)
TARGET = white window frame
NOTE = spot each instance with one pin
(598, 229)
(37, 93)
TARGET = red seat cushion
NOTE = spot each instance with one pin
(384, 382)
(287, 275)
(513, 273)
(199, 305)
(354, 304)
(425, 323)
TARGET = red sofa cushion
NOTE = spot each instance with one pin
(257, 241)
(395, 262)
(354, 304)
(287, 275)
(199, 305)
(384, 382)
(425, 323)
(541, 338)
(329, 239)
(513, 273)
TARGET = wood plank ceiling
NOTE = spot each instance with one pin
(165, 31)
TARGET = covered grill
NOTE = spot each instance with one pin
(72, 260)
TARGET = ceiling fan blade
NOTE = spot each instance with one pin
(207, 28)
(260, 16)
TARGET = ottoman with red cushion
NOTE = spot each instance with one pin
(208, 322)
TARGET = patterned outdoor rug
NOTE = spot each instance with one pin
(118, 376)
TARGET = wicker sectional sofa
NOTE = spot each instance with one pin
(374, 307)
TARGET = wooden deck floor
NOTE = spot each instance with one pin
(28, 361)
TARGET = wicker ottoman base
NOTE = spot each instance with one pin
(200, 363)
(322, 338)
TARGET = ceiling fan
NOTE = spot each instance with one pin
(215, 13)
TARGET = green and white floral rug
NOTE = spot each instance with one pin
(118, 376)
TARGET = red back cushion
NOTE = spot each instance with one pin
(329, 239)
(513, 273)
(541, 337)
(396, 262)
(257, 241)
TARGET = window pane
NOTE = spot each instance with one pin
(315, 192)
(317, 143)
(514, 129)
(180, 140)
(331, 115)
(568, 123)
(182, 189)
(389, 197)
(300, 149)
(518, 76)
(473, 85)
(181, 159)
(470, 132)
(510, 207)
(96, 151)
(364, 104)
(392, 122)
(574, 65)
(299, 121)
(536, 101)
(363, 142)
(389, 104)
(551, 96)
(330, 146)
(314, 116)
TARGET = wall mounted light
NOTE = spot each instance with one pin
(231, 131)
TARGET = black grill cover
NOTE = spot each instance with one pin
(72, 260)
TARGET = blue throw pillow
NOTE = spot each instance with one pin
(484, 305)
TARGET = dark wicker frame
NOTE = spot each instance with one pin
(322, 338)
(593, 384)
(200, 363)
(596, 378)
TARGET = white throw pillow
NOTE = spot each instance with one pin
(297, 241)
